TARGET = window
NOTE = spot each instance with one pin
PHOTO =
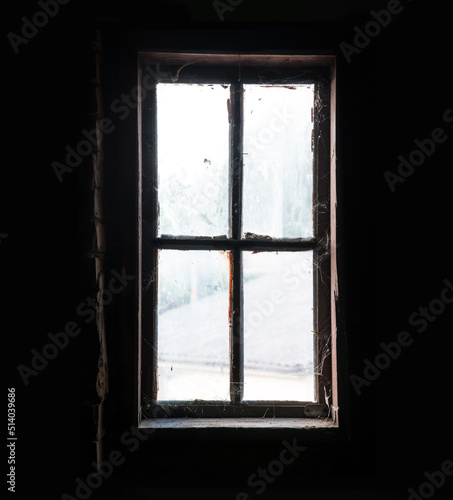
(235, 236)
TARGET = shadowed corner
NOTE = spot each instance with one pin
(161, 14)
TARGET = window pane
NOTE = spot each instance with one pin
(193, 325)
(192, 148)
(278, 326)
(278, 178)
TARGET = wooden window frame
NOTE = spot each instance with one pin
(237, 70)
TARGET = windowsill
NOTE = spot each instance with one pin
(237, 423)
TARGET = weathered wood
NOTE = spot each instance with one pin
(283, 60)
(223, 243)
(334, 293)
(102, 381)
(252, 409)
(238, 423)
(236, 335)
(235, 242)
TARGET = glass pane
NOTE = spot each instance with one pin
(193, 325)
(278, 179)
(278, 326)
(192, 148)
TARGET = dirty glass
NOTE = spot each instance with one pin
(193, 325)
(192, 148)
(278, 326)
(278, 177)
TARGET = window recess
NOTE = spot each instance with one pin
(235, 237)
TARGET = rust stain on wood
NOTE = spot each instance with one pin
(230, 304)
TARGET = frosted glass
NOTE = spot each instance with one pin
(278, 326)
(278, 178)
(193, 325)
(193, 149)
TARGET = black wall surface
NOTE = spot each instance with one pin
(394, 253)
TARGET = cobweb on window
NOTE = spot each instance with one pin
(321, 268)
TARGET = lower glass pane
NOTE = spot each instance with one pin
(278, 326)
(193, 325)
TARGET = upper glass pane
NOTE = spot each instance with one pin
(278, 175)
(192, 149)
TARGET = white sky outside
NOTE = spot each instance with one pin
(193, 194)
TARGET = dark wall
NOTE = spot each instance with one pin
(393, 250)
